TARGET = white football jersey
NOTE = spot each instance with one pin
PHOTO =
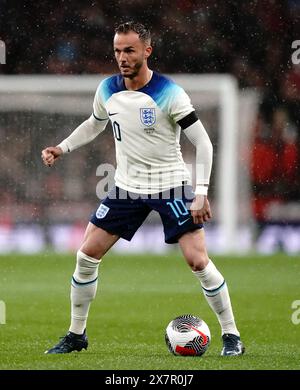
(146, 132)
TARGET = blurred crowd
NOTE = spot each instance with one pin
(251, 40)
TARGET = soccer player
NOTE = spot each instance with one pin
(147, 112)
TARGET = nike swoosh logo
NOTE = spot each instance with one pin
(205, 338)
(182, 222)
(112, 113)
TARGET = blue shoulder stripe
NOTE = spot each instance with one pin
(162, 90)
(110, 86)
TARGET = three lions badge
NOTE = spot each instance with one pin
(102, 211)
(148, 116)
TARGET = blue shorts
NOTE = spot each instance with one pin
(122, 212)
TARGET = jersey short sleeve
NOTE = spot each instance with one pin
(180, 104)
(99, 110)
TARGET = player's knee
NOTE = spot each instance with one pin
(197, 260)
(93, 251)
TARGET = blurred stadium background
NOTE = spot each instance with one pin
(44, 208)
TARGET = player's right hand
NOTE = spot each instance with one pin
(51, 154)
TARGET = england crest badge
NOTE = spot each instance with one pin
(148, 116)
(102, 211)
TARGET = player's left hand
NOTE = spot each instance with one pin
(200, 209)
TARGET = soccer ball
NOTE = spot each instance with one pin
(187, 335)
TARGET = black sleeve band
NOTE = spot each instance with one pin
(99, 119)
(188, 120)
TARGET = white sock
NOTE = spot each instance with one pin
(216, 293)
(83, 290)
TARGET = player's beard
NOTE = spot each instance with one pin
(135, 70)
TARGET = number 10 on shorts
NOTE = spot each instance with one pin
(178, 207)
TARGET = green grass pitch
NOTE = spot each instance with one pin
(137, 297)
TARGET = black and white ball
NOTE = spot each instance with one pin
(187, 335)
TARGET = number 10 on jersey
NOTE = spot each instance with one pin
(116, 131)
